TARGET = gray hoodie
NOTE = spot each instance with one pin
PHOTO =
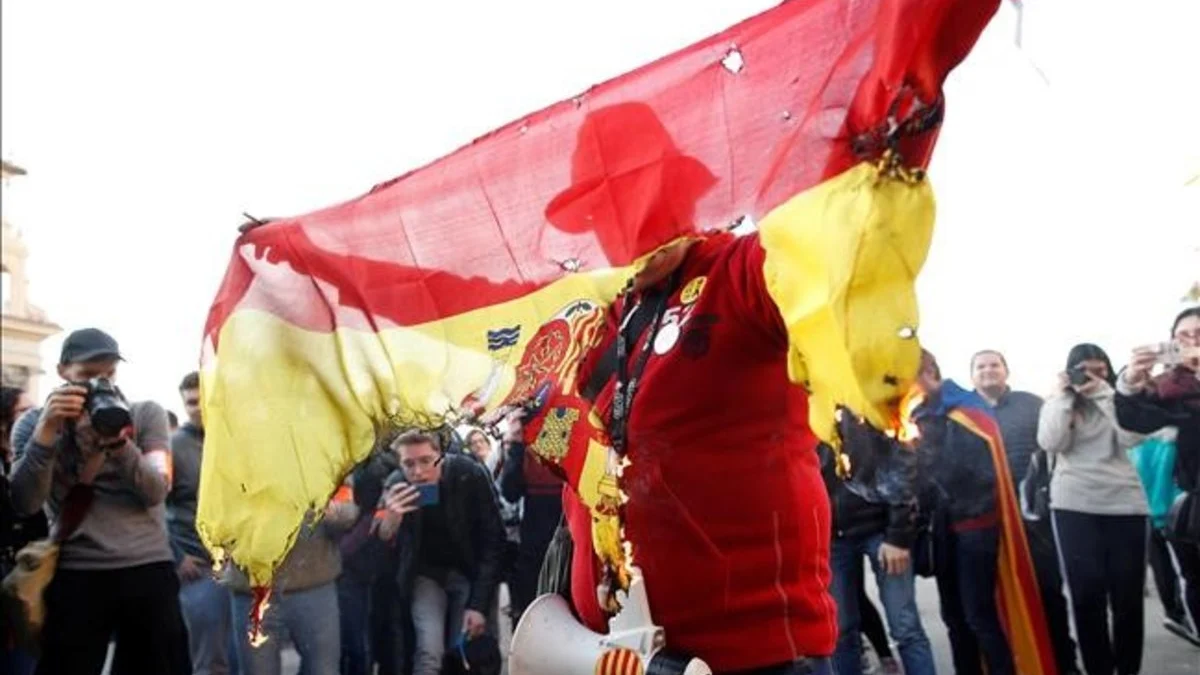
(1092, 471)
(124, 525)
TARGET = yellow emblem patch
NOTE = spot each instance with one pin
(691, 292)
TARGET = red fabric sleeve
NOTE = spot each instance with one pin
(749, 288)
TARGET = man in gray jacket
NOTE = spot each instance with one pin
(103, 492)
(303, 603)
(206, 604)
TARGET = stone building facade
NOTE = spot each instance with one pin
(23, 326)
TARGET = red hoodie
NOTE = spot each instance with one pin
(727, 512)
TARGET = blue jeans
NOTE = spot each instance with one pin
(206, 607)
(898, 593)
(437, 615)
(310, 617)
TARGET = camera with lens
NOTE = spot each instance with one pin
(106, 407)
(1078, 376)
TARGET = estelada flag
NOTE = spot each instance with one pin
(478, 279)
(1018, 596)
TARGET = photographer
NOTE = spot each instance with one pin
(440, 512)
(1169, 400)
(100, 467)
(1099, 512)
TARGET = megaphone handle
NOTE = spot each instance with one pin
(669, 663)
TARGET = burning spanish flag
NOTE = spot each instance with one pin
(480, 279)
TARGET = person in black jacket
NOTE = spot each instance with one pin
(523, 477)
(364, 556)
(1146, 404)
(967, 534)
(875, 515)
(449, 543)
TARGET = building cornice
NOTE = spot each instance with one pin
(29, 328)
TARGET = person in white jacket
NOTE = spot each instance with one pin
(1099, 512)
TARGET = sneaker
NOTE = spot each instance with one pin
(1182, 630)
(889, 666)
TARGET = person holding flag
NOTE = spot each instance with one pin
(681, 375)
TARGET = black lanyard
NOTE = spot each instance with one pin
(627, 382)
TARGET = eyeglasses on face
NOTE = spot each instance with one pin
(423, 462)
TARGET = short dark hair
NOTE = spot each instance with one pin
(417, 437)
(930, 361)
(190, 381)
(8, 407)
(995, 352)
(1190, 312)
(172, 419)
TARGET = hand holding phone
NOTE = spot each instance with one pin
(428, 494)
(401, 498)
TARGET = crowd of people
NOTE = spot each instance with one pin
(1103, 466)
(401, 574)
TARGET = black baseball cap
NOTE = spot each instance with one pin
(89, 344)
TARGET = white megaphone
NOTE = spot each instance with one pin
(549, 641)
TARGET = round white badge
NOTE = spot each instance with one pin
(667, 336)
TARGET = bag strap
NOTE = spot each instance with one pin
(75, 508)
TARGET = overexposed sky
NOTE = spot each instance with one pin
(148, 127)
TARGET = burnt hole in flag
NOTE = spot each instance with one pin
(733, 61)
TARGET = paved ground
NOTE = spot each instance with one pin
(1165, 654)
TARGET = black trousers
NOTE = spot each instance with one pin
(1104, 558)
(139, 606)
(1166, 579)
(1187, 556)
(1040, 535)
(1172, 562)
(966, 579)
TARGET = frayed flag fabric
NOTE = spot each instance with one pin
(480, 280)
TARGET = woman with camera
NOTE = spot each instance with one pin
(1099, 512)
(1171, 401)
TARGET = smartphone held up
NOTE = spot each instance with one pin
(428, 494)
(1168, 354)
